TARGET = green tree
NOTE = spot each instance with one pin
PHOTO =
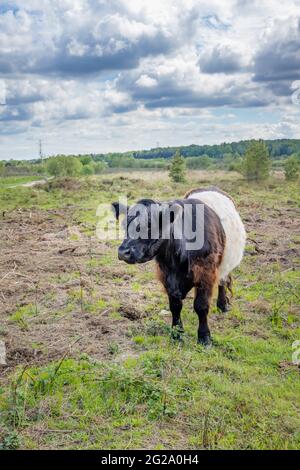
(64, 166)
(88, 170)
(256, 162)
(86, 159)
(177, 168)
(291, 168)
(72, 166)
(55, 166)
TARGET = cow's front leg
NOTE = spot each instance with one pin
(176, 306)
(201, 306)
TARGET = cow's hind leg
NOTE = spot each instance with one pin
(223, 302)
(203, 294)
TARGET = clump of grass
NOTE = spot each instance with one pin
(136, 286)
(10, 440)
(139, 340)
(155, 326)
(113, 348)
(276, 317)
(22, 314)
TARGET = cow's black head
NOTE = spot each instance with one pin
(147, 225)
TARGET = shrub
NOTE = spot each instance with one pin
(201, 162)
(2, 168)
(291, 168)
(99, 167)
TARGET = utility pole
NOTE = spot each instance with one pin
(41, 149)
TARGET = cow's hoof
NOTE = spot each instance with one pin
(177, 335)
(223, 308)
(205, 341)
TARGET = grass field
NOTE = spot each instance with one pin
(90, 360)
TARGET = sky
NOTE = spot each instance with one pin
(97, 76)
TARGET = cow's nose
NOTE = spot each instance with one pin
(124, 253)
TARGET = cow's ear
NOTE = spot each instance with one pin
(118, 209)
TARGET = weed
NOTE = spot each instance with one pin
(10, 441)
(113, 348)
(156, 326)
(20, 316)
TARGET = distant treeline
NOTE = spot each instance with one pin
(277, 148)
(226, 156)
(197, 156)
(223, 155)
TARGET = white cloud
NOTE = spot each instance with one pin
(120, 74)
(146, 81)
(2, 92)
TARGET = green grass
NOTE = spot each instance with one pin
(211, 393)
(243, 393)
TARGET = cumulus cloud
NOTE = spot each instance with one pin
(77, 39)
(145, 81)
(102, 69)
(277, 62)
(220, 59)
(13, 113)
(2, 93)
(176, 82)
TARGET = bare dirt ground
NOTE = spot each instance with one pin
(274, 231)
(42, 267)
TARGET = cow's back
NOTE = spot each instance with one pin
(232, 224)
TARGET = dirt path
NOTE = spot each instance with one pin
(31, 184)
